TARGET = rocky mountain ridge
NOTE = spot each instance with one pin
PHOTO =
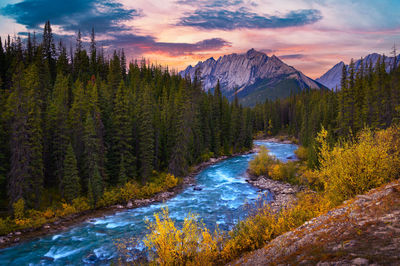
(331, 79)
(252, 75)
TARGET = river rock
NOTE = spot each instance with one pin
(129, 204)
(47, 258)
(17, 233)
(119, 206)
(46, 226)
(3, 240)
(91, 257)
(16, 239)
(359, 261)
(197, 188)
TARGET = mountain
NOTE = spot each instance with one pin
(331, 79)
(254, 75)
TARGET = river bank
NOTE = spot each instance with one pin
(65, 223)
(283, 193)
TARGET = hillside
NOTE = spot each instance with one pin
(254, 75)
(362, 231)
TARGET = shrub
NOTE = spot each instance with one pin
(263, 226)
(355, 166)
(285, 172)
(66, 209)
(48, 213)
(80, 204)
(129, 191)
(193, 244)
(5, 226)
(170, 181)
(19, 209)
(261, 162)
(301, 153)
(109, 197)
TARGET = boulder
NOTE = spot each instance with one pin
(129, 204)
(360, 261)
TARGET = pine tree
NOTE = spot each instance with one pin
(70, 182)
(124, 159)
(49, 50)
(180, 138)
(92, 154)
(93, 54)
(57, 130)
(146, 131)
(216, 119)
(24, 105)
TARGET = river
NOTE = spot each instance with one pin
(221, 200)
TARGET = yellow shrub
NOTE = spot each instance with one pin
(80, 204)
(22, 223)
(354, 167)
(275, 172)
(49, 213)
(66, 210)
(170, 181)
(19, 209)
(301, 153)
(191, 245)
(129, 191)
(109, 197)
(261, 162)
(265, 225)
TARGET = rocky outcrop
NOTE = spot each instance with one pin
(362, 231)
(243, 72)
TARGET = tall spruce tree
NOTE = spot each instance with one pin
(70, 182)
(26, 145)
(146, 131)
(123, 152)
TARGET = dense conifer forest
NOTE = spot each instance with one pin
(79, 123)
(367, 98)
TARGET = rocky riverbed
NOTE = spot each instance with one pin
(283, 194)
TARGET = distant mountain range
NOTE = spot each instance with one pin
(254, 76)
(331, 79)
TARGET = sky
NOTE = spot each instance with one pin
(311, 35)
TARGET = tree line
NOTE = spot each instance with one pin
(368, 97)
(77, 123)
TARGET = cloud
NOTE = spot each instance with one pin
(142, 44)
(207, 3)
(292, 56)
(242, 18)
(104, 15)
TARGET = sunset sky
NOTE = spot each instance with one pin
(311, 35)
